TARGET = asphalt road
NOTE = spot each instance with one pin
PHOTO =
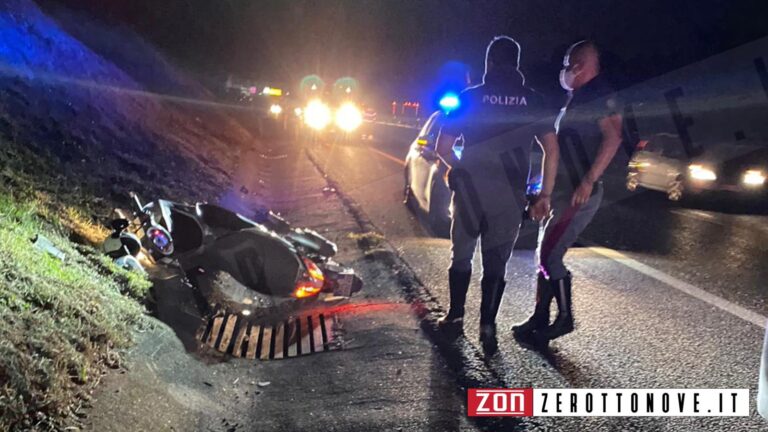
(385, 374)
(666, 296)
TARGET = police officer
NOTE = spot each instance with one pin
(496, 124)
(589, 134)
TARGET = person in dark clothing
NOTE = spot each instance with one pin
(495, 125)
(589, 134)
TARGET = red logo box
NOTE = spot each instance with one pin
(500, 402)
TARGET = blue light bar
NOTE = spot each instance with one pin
(450, 102)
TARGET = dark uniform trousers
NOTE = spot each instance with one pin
(560, 231)
(496, 226)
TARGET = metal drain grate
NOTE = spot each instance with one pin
(234, 334)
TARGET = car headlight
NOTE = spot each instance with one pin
(317, 115)
(700, 172)
(275, 109)
(754, 178)
(348, 117)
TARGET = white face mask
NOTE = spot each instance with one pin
(567, 78)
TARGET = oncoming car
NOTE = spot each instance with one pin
(737, 169)
(425, 187)
(658, 164)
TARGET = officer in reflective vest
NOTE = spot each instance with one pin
(496, 124)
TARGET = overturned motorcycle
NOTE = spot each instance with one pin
(248, 266)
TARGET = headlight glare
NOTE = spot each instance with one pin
(700, 172)
(348, 117)
(317, 115)
(754, 178)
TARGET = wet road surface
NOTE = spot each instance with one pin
(672, 296)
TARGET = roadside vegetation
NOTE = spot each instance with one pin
(61, 321)
(88, 112)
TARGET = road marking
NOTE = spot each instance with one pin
(387, 156)
(400, 125)
(725, 305)
(698, 215)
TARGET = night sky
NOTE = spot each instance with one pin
(398, 46)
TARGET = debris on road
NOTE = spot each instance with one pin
(45, 245)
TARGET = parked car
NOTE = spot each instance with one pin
(425, 188)
(426, 191)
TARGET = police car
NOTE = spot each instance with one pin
(425, 188)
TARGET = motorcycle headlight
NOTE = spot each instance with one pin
(754, 178)
(700, 172)
(349, 117)
(275, 109)
(317, 115)
(161, 240)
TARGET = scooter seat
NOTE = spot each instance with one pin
(256, 259)
(219, 217)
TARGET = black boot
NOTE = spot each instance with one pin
(564, 322)
(493, 291)
(539, 320)
(458, 284)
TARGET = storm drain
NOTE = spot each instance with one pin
(233, 334)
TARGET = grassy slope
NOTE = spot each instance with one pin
(60, 322)
(73, 141)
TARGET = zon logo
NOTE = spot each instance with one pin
(500, 402)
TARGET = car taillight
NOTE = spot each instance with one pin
(311, 283)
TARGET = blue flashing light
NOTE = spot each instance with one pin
(450, 102)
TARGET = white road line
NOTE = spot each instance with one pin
(698, 215)
(725, 305)
(404, 126)
(388, 156)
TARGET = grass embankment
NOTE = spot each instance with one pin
(60, 321)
